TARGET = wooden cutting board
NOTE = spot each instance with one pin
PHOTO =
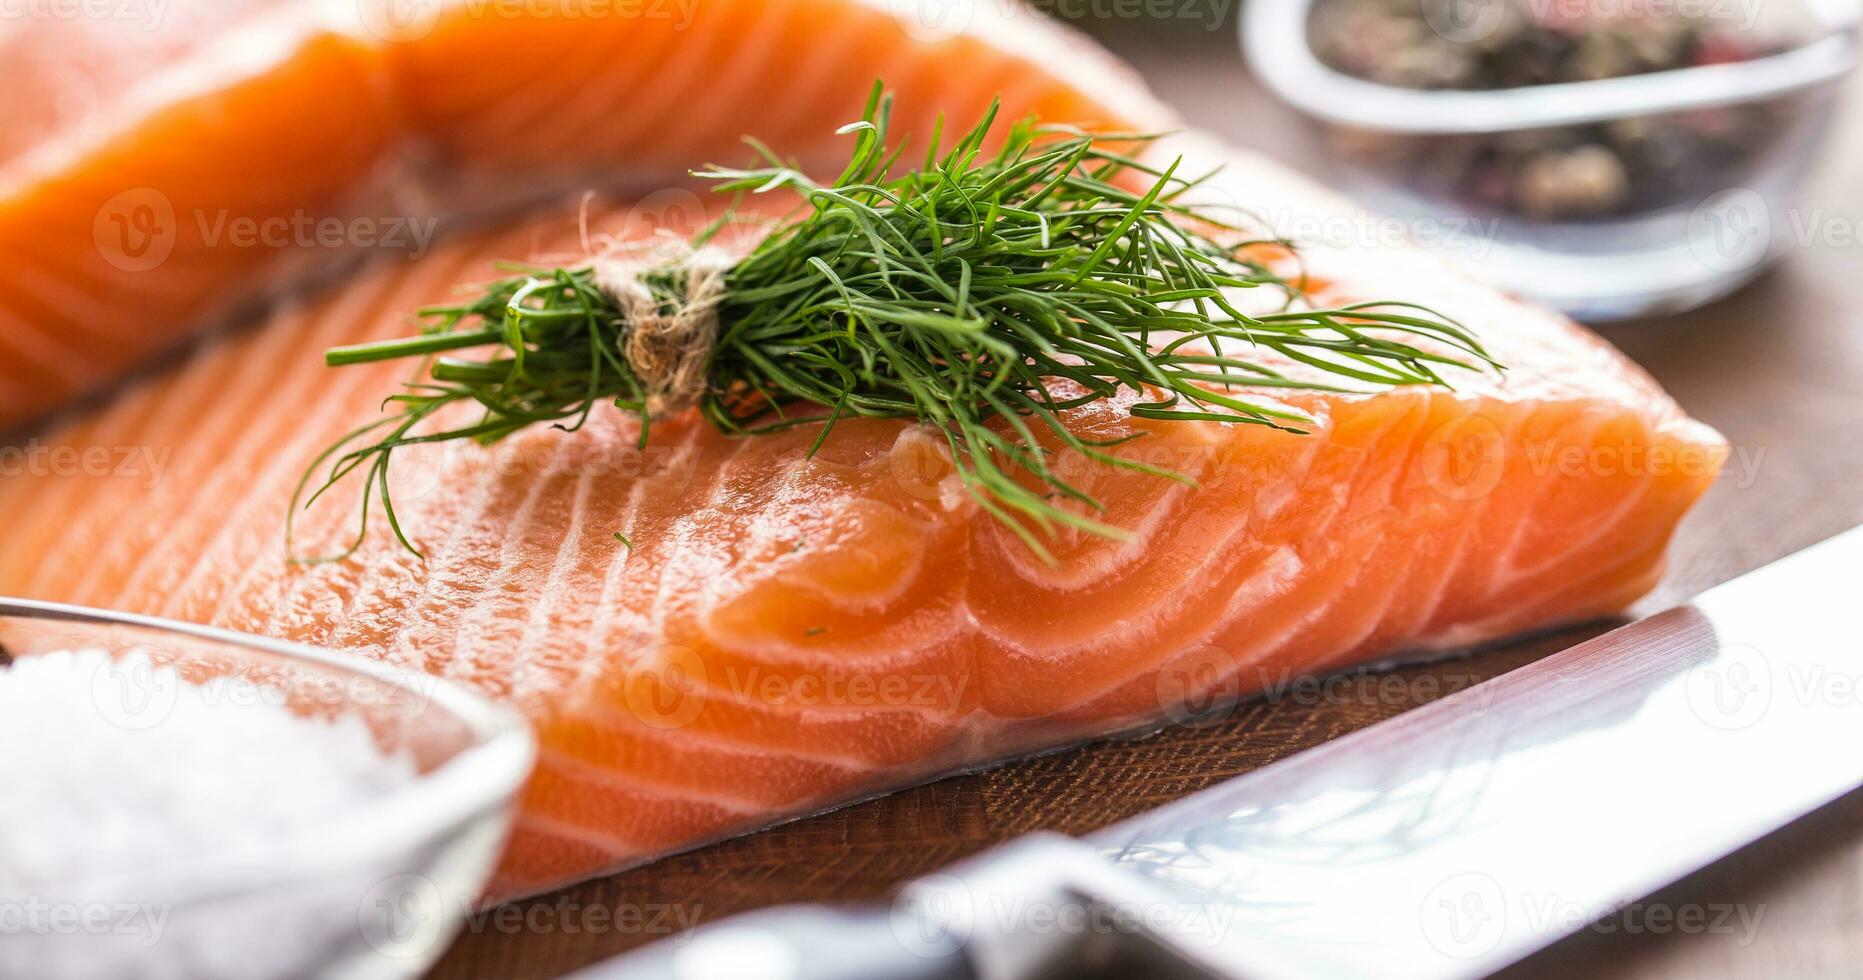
(1777, 368)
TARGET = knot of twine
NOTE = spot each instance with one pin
(669, 341)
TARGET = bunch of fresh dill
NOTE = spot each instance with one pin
(983, 294)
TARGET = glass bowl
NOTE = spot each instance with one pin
(1731, 141)
(375, 893)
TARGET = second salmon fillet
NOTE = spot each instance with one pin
(157, 176)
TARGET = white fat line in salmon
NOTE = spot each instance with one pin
(403, 233)
(147, 13)
(35, 459)
(838, 689)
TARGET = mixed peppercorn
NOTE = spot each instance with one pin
(1569, 173)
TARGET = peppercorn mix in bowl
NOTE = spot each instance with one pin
(1610, 157)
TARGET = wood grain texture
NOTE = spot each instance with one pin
(1778, 368)
(863, 852)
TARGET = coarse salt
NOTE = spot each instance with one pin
(118, 770)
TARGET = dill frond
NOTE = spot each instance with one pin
(963, 295)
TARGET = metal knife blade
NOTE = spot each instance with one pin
(1445, 843)
(1457, 838)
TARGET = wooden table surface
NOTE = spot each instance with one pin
(1778, 368)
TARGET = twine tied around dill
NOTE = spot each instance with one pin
(1045, 262)
(669, 339)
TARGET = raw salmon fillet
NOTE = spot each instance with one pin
(162, 171)
(789, 633)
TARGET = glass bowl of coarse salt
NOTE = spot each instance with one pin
(183, 802)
